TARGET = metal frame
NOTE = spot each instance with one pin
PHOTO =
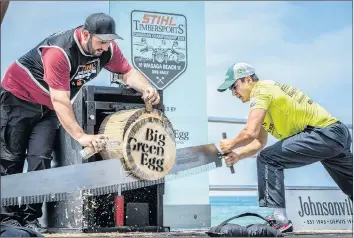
(255, 188)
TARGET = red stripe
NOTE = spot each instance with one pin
(119, 210)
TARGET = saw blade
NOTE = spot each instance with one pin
(98, 178)
(194, 160)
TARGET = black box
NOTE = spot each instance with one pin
(137, 214)
(91, 105)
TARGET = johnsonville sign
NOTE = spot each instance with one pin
(315, 208)
(319, 209)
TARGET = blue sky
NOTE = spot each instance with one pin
(306, 44)
(318, 12)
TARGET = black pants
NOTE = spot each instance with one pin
(330, 146)
(27, 131)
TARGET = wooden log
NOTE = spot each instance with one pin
(144, 141)
(149, 149)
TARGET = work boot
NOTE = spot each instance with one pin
(281, 226)
(34, 225)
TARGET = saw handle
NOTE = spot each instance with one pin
(148, 107)
(232, 167)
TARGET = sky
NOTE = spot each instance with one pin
(305, 44)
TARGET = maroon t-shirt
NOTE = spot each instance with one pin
(19, 82)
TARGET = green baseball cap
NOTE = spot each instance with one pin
(234, 72)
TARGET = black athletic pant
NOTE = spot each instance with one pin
(28, 130)
(330, 146)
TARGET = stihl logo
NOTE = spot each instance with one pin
(159, 46)
(89, 67)
(88, 71)
(158, 20)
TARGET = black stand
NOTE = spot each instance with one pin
(85, 213)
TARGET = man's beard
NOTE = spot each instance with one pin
(89, 47)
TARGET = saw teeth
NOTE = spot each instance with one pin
(56, 197)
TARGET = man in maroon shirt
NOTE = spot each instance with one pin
(36, 96)
(4, 4)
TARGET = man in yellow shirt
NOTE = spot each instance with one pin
(307, 134)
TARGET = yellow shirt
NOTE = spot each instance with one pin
(289, 110)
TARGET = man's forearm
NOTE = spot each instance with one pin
(242, 139)
(67, 118)
(136, 80)
(250, 149)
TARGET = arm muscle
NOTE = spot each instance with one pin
(255, 146)
(56, 74)
(63, 108)
(252, 129)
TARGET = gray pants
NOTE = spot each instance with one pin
(330, 146)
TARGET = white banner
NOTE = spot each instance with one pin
(165, 41)
(319, 210)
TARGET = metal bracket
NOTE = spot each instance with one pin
(91, 114)
(117, 106)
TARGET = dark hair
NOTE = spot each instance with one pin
(253, 77)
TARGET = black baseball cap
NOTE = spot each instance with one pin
(102, 25)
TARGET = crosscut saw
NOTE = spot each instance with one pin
(99, 178)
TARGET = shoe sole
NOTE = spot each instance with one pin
(286, 228)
